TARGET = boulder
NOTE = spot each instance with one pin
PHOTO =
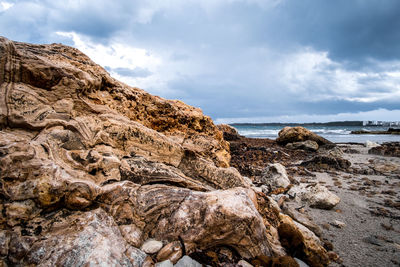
(299, 134)
(305, 145)
(200, 219)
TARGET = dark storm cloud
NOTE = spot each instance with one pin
(349, 30)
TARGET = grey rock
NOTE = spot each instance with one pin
(187, 261)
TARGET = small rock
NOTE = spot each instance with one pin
(151, 246)
(187, 261)
(166, 263)
(338, 224)
(244, 263)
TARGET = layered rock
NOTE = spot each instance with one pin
(91, 168)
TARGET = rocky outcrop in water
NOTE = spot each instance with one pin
(91, 168)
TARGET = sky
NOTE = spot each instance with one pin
(238, 60)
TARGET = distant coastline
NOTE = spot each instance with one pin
(332, 123)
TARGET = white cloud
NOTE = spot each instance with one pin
(378, 115)
(5, 5)
(118, 55)
(313, 76)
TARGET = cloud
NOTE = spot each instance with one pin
(5, 5)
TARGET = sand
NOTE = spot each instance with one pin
(371, 235)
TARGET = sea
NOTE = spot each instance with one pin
(336, 134)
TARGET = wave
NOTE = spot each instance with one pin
(261, 132)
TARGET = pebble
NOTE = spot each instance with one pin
(151, 246)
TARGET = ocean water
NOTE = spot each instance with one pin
(336, 134)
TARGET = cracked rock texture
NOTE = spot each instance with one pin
(91, 168)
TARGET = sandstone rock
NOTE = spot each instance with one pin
(297, 238)
(275, 176)
(305, 145)
(186, 261)
(200, 219)
(151, 246)
(299, 134)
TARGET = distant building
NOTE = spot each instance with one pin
(382, 123)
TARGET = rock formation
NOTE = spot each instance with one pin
(91, 168)
(299, 134)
